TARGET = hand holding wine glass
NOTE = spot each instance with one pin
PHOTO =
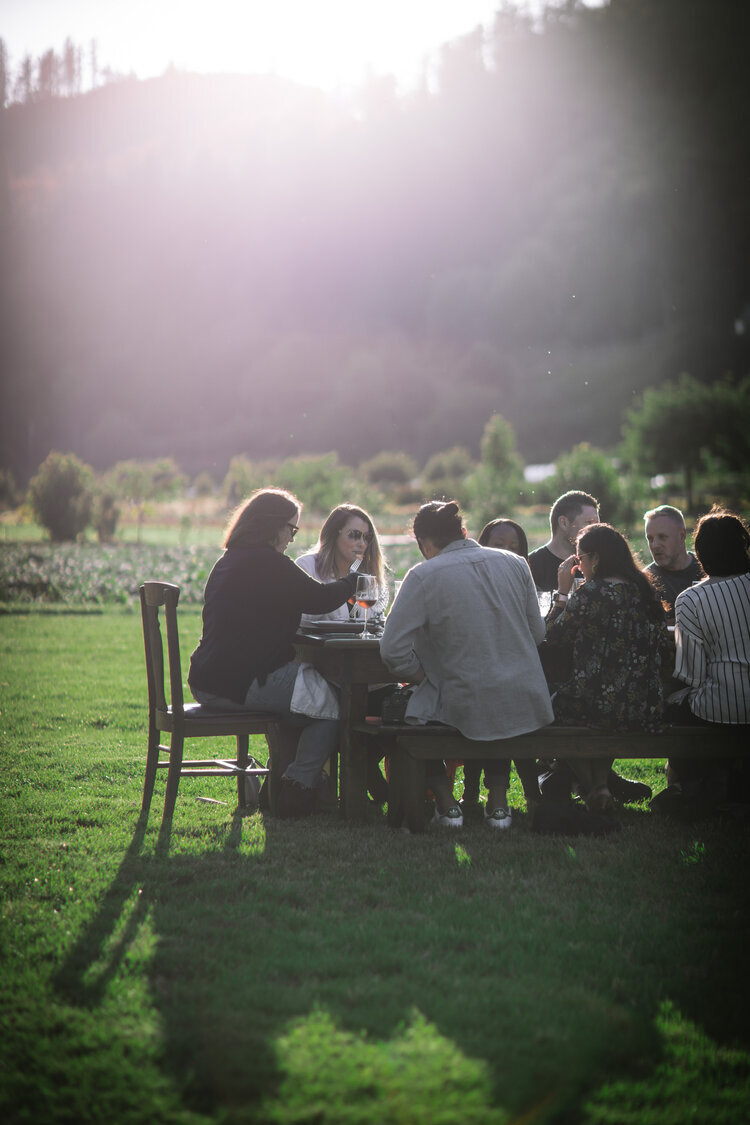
(366, 595)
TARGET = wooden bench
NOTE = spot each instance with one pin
(410, 746)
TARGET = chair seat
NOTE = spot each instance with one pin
(199, 719)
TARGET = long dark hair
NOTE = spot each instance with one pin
(615, 560)
(261, 518)
(440, 522)
(373, 561)
(486, 532)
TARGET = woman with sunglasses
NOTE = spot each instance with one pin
(348, 534)
(253, 601)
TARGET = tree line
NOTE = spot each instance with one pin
(693, 431)
(53, 74)
(207, 267)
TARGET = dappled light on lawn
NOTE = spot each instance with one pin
(694, 1071)
(419, 1075)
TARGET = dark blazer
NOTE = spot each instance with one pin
(253, 601)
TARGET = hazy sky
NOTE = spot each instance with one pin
(321, 42)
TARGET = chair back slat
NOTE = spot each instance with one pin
(154, 595)
(173, 650)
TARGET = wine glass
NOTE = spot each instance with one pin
(544, 597)
(366, 595)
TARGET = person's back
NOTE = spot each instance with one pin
(479, 626)
(716, 617)
(465, 628)
(618, 658)
(712, 636)
(713, 623)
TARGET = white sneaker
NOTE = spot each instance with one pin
(451, 818)
(497, 818)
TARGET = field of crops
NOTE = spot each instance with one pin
(86, 574)
(89, 574)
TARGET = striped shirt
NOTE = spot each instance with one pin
(712, 636)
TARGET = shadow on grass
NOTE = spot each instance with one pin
(455, 979)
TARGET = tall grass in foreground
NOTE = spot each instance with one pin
(260, 971)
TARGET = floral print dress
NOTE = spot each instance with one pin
(617, 658)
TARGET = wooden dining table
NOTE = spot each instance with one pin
(351, 661)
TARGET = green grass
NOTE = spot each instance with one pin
(253, 971)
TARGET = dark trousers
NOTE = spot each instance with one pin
(497, 776)
(729, 774)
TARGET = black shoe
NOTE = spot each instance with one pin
(295, 800)
(564, 818)
(682, 806)
(326, 800)
(556, 784)
(625, 790)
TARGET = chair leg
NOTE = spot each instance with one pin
(407, 782)
(526, 768)
(152, 757)
(176, 747)
(243, 757)
(282, 742)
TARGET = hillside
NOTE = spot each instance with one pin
(203, 266)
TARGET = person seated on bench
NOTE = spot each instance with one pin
(712, 637)
(465, 628)
(348, 534)
(619, 648)
(253, 601)
(504, 535)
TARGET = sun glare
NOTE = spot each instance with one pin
(322, 43)
(328, 43)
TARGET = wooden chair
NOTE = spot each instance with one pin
(191, 720)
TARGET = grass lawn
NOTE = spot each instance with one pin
(270, 972)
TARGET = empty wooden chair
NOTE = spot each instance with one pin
(191, 720)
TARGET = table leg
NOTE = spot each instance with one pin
(352, 752)
(282, 739)
(407, 784)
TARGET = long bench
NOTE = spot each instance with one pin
(410, 746)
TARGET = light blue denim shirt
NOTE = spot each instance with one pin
(470, 619)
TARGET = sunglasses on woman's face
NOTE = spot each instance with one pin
(293, 529)
(356, 535)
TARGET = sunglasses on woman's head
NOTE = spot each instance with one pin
(356, 535)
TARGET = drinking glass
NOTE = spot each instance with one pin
(544, 597)
(366, 595)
